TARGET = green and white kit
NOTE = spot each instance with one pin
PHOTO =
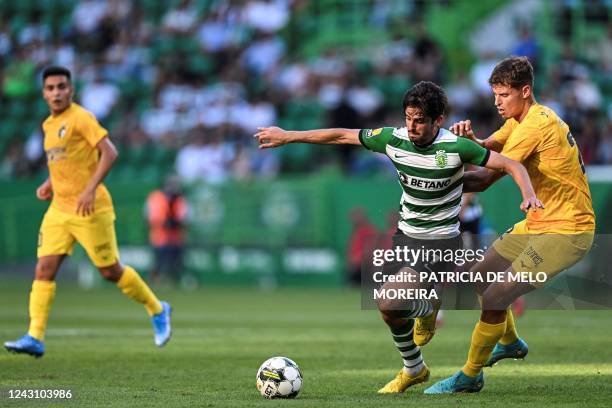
(431, 177)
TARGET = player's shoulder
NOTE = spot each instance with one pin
(451, 142)
(47, 121)
(80, 112)
(399, 132)
(540, 117)
(446, 136)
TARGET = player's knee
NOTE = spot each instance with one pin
(493, 300)
(111, 273)
(493, 316)
(385, 306)
(390, 318)
(45, 270)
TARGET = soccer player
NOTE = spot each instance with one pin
(429, 162)
(79, 155)
(549, 240)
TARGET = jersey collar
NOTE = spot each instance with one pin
(425, 146)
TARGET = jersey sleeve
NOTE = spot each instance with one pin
(523, 143)
(376, 139)
(90, 129)
(471, 152)
(503, 133)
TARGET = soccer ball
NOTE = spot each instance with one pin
(279, 377)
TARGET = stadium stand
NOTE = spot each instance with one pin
(158, 71)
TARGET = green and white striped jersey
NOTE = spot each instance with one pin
(431, 177)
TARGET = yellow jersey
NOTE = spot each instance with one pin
(72, 157)
(543, 143)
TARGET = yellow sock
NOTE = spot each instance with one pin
(41, 299)
(510, 335)
(132, 285)
(484, 338)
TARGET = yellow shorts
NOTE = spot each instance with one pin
(548, 253)
(96, 233)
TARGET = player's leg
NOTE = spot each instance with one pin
(510, 345)
(42, 294)
(556, 252)
(505, 250)
(97, 235)
(54, 242)
(425, 326)
(41, 299)
(492, 324)
(493, 261)
(134, 287)
(485, 336)
(399, 317)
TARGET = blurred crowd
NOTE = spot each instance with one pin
(197, 78)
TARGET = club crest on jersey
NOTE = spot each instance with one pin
(441, 158)
(62, 131)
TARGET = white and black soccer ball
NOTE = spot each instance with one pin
(279, 377)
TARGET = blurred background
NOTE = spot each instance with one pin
(182, 85)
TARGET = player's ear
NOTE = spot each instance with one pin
(438, 122)
(526, 91)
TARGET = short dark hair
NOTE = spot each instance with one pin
(56, 70)
(428, 97)
(515, 72)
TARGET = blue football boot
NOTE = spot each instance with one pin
(457, 383)
(517, 350)
(161, 325)
(26, 345)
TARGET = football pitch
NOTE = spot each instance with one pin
(99, 345)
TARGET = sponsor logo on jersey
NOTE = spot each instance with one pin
(441, 158)
(56, 153)
(423, 184)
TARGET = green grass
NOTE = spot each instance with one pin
(100, 346)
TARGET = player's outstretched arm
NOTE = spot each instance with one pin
(44, 192)
(108, 155)
(521, 178)
(274, 136)
(464, 129)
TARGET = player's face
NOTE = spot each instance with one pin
(421, 129)
(510, 102)
(57, 91)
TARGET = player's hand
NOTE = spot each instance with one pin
(85, 205)
(44, 191)
(531, 203)
(271, 137)
(463, 129)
